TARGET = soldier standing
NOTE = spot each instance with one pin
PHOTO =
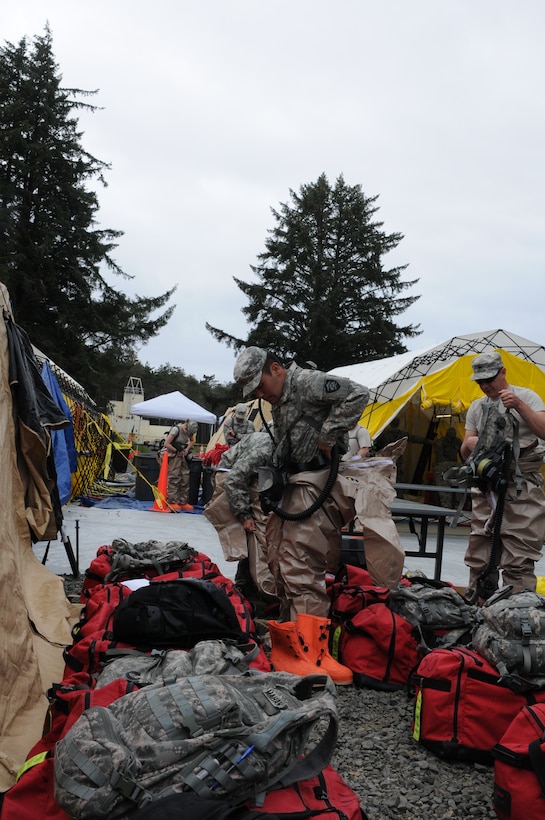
(178, 444)
(312, 413)
(522, 530)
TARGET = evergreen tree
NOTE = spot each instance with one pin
(323, 294)
(53, 257)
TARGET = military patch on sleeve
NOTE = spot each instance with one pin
(331, 386)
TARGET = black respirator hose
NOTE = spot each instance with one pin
(324, 493)
(484, 589)
(266, 424)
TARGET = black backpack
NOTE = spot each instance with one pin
(177, 613)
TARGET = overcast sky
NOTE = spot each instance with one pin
(212, 110)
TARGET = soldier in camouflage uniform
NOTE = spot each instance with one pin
(312, 411)
(237, 426)
(241, 527)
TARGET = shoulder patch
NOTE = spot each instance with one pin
(331, 386)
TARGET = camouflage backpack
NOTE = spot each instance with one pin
(130, 560)
(510, 634)
(164, 666)
(221, 737)
(439, 614)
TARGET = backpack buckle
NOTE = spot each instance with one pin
(129, 788)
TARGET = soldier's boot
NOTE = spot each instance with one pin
(315, 633)
(287, 650)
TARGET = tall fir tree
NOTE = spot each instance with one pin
(323, 294)
(53, 258)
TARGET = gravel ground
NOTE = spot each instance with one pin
(394, 777)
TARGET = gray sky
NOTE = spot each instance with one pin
(213, 110)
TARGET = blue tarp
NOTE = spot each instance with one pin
(63, 442)
(126, 502)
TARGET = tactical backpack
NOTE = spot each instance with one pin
(519, 767)
(462, 706)
(221, 737)
(176, 614)
(378, 646)
(351, 591)
(438, 613)
(128, 559)
(510, 633)
(167, 665)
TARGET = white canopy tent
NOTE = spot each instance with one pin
(173, 406)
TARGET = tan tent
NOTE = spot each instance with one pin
(35, 616)
(252, 413)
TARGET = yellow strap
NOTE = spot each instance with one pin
(417, 716)
(32, 761)
(335, 651)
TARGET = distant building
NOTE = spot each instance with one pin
(135, 428)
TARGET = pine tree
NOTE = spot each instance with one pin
(323, 293)
(53, 258)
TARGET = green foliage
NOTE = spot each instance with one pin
(53, 258)
(323, 293)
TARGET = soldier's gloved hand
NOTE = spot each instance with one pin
(324, 448)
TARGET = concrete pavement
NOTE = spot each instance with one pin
(88, 528)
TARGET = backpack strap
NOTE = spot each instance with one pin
(537, 760)
(516, 454)
(123, 781)
(194, 727)
(318, 758)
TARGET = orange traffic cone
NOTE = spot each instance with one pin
(160, 492)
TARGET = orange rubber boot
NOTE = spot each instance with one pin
(315, 632)
(287, 650)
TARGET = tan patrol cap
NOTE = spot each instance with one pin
(248, 368)
(486, 366)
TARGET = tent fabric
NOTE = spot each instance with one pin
(35, 616)
(174, 406)
(37, 415)
(440, 376)
(252, 413)
(64, 448)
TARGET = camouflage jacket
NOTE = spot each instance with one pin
(234, 430)
(313, 407)
(242, 460)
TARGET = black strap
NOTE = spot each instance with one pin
(484, 587)
(537, 760)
